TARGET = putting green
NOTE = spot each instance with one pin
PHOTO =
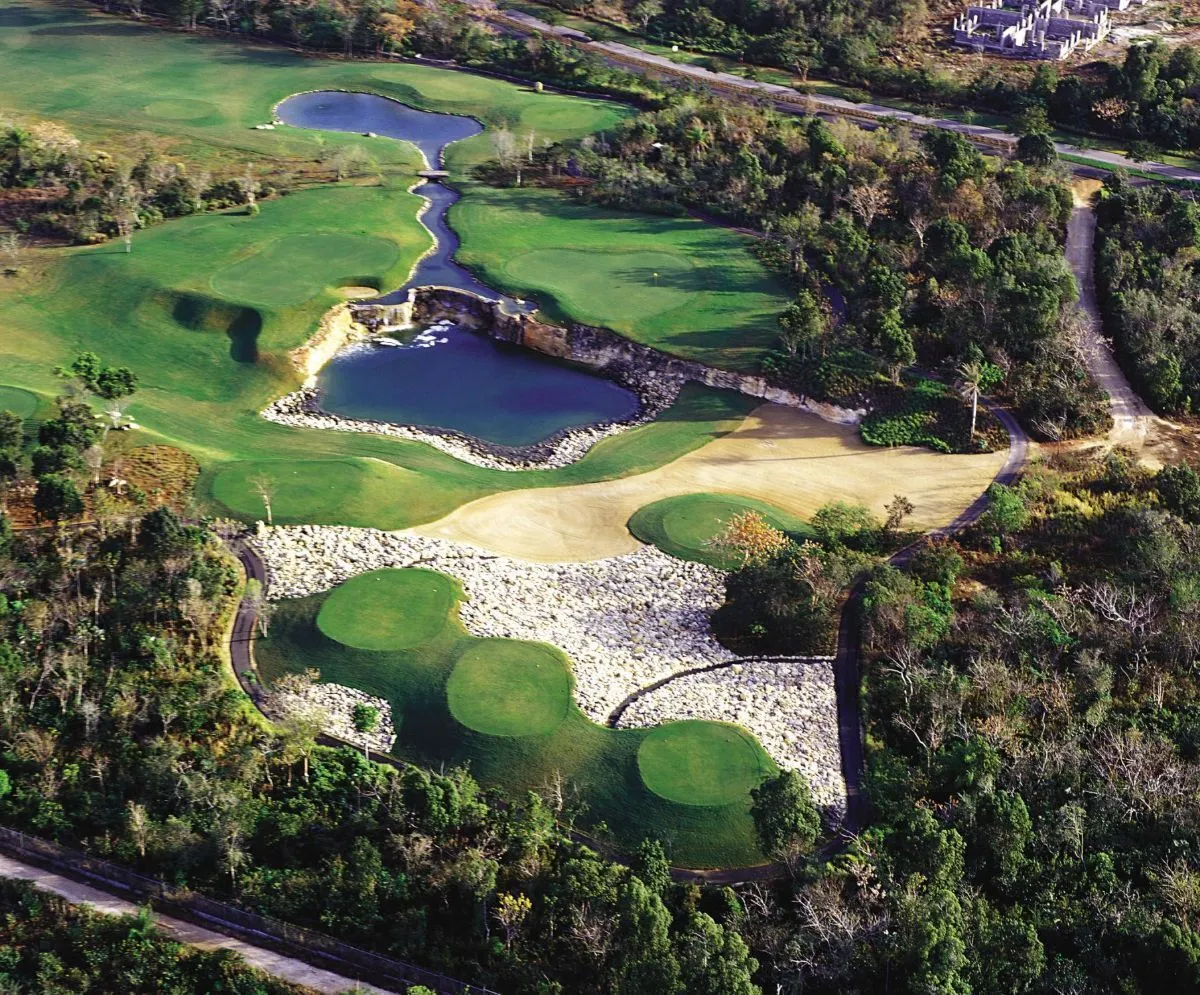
(388, 609)
(702, 763)
(19, 401)
(606, 287)
(684, 526)
(505, 687)
(295, 268)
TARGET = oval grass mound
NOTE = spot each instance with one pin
(684, 526)
(21, 402)
(388, 609)
(607, 287)
(696, 762)
(507, 687)
(295, 268)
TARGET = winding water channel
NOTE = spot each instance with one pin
(452, 378)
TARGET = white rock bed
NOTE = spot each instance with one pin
(790, 707)
(331, 706)
(626, 622)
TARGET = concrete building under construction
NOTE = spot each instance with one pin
(1035, 29)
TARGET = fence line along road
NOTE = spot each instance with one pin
(792, 101)
(317, 949)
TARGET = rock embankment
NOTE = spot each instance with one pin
(790, 706)
(626, 621)
(330, 707)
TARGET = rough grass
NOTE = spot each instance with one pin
(702, 763)
(685, 526)
(507, 687)
(710, 300)
(388, 609)
(600, 764)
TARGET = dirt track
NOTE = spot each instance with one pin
(791, 459)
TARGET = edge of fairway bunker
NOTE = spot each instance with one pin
(782, 456)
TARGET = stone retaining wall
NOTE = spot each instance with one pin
(598, 348)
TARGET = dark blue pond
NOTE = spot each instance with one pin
(490, 390)
(332, 110)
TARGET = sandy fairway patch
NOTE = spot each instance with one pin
(793, 460)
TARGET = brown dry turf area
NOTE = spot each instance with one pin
(780, 455)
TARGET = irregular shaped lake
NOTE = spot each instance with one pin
(490, 390)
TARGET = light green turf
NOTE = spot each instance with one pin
(504, 708)
(506, 687)
(20, 402)
(205, 309)
(296, 268)
(702, 763)
(684, 526)
(711, 301)
(388, 609)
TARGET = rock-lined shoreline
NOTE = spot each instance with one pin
(302, 409)
(790, 706)
(626, 622)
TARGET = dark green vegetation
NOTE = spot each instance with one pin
(388, 609)
(897, 252)
(504, 708)
(124, 736)
(53, 948)
(702, 763)
(1149, 290)
(685, 526)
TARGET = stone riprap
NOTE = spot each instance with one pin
(626, 621)
(302, 409)
(791, 708)
(331, 706)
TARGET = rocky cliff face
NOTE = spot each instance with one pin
(598, 348)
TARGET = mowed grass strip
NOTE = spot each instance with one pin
(508, 687)
(389, 609)
(702, 763)
(685, 526)
(529, 744)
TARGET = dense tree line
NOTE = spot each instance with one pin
(61, 188)
(1034, 757)
(1150, 291)
(53, 948)
(933, 252)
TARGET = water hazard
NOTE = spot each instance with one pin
(451, 378)
(448, 377)
(363, 113)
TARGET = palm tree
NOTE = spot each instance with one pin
(970, 377)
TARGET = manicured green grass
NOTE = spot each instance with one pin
(205, 309)
(388, 609)
(684, 526)
(531, 740)
(296, 268)
(678, 284)
(506, 687)
(702, 763)
(20, 402)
